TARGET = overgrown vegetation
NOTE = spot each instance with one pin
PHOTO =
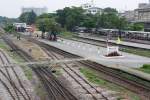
(66, 34)
(28, 72)
(5, 20)
(13, 55)
(145, 68)
(93, 77)
(17, 59)
(41, 92)
(136, 27)
(58, 72)
(9, 28)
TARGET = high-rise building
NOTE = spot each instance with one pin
(37, 11)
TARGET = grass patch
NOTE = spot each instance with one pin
(58, 72)
(40, 92)
(3, 45)
(139, 52)
(145, 68)
(16, 57)
(28, 72)
(13, 55)
(67, 34)
(93, 77)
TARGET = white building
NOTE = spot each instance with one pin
(90, 8)
(17, 25)
(94, 10)
(37, 11)
(87, 6)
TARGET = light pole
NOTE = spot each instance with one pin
(107, 42)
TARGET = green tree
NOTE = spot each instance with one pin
(122, 24)
(31, 18)
(47, 15)
(89, 21)
(47, 25)
(23, 17)
(106, 20)
(136, 27)
(110, 10)
(9, 28)
(5, 21)
(70, 17)
(28, 17)
(111, 21)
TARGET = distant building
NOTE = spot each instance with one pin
(87, 6)
(37, 11)
(129, 15)
(142, 14)
(90, 8)
(17, 25)
(95, 10)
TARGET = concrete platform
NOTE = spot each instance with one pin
(95, 53)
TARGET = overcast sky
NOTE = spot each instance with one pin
(12, 8)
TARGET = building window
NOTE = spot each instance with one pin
(94, 10)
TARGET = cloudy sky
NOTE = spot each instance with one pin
(12, 8)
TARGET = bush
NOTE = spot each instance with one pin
(9, 28)
(146, 66)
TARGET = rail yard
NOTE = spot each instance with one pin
(59, 71)
(75, 50)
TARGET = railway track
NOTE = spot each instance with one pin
(14, 48)
(137, 85)
(54, 89)
(95, 94)
(117, 77)
(111, 75)
(17, 92)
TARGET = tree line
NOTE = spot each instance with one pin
(70, 17)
